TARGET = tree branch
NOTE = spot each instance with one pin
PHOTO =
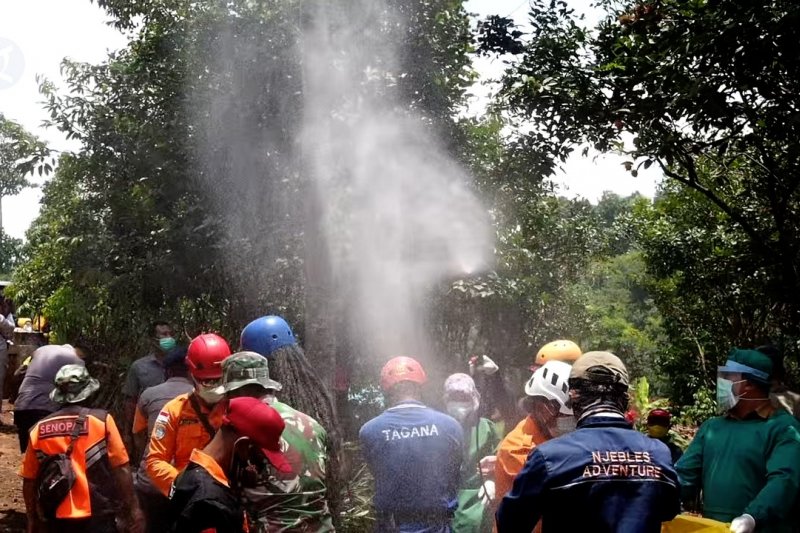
(692, 182)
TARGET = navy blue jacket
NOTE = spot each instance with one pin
(602, 477)
(415, 455)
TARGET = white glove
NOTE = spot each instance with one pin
(482, 364)
(743, 524)
(487, 492)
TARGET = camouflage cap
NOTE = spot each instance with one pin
(73, 384)
(246, 368)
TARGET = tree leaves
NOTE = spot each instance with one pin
(21, 154)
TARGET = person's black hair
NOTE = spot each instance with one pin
(156, 324)
(776, 356)
(305, 391)
(83, 344)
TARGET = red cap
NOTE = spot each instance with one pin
(254, 419)
(659, 417)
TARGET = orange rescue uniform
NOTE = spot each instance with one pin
(512, 454)
(177, 431)
(139, 420)
(99, 439)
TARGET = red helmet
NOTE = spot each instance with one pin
(659, 417)
(205, 355)
(402, 369)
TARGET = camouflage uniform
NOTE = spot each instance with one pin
(284, 502)
(294, 502)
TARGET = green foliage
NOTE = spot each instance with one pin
(10, 254)
(689, 82)
(704, 406)
(136, 225)
(358, 514)
(622, 315)
(642, 403)
(20, 154)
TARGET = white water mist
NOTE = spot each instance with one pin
(398, 214)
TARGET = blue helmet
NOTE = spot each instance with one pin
(266, 334)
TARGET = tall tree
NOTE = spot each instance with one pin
(690, 82)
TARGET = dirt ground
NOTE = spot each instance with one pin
(12, 507)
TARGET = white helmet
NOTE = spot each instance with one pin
(551, 381)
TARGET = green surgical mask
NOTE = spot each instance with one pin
(166, 343)
(726, 398)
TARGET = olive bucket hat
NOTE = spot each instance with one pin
(73, 385)
(246, 368)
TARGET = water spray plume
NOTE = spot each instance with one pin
(398, 213)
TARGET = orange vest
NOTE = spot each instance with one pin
(177, 431)
(98, 447)
(512, 454)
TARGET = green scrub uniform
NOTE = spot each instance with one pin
(746, 466)
(473, 514)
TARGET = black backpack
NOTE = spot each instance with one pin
(56, 476)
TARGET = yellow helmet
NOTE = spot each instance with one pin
(560, 350)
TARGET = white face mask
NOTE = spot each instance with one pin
(726, 399)
(564, 425)
(461, 411)
(208, 394)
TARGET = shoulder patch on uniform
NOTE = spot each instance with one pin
(159, 431)
(162, 417)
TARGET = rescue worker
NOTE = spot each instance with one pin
(779, 394)
(293, 499)
(745, 463)
(462, 402)
(272, 337)
(560, 350)
(415, 455)
(604, 476)
(205, 496)
(155, 505)
(145, 372)
(546, 402)
(33, 401)
(99, 461)
(659, 422)
(190, 420)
